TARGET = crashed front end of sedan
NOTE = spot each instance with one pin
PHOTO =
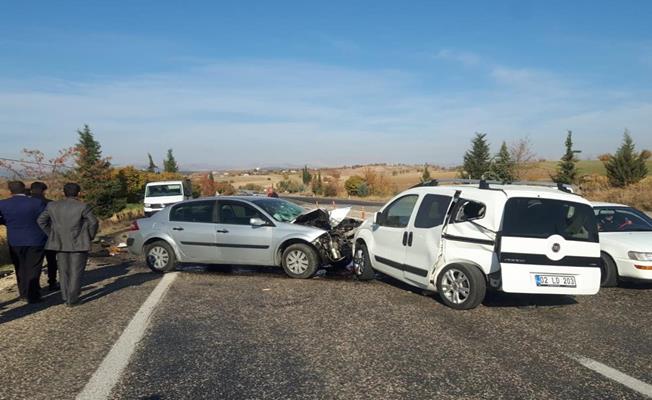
(335, 245)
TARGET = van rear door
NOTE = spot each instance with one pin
(549, 246)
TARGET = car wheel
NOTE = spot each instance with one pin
(160, 257)
(362, 263)
(300, 261)
(608, 271)
(461, 286)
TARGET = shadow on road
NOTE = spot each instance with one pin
(119, 272)
(492, 298)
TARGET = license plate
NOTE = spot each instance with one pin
(555, 280)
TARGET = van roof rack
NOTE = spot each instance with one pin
(485, 184)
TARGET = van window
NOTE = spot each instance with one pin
(164, 190)
(432, 211)
(541, 218)
(468, 210)
(397, 214)
(195, 211)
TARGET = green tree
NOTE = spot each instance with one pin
(502, 167)
(352, 184)
(425, 177)
(317, 184)
(170, 164)
(151, 167)
(567, 172)
(626, 166)
(101, 189)
(477, 158)
(306, 176)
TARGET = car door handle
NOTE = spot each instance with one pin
(405, 238)
(177, 228)
(410, 236)
(222, 231)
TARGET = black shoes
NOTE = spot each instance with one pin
(53, 287)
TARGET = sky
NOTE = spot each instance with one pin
(287, 83)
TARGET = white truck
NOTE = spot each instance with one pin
(460, 240)
(160, 194)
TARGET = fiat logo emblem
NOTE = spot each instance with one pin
(556, 247)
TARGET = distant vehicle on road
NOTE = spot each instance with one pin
(159, 195)
(626, 243)
(247, 231)
(459, 240)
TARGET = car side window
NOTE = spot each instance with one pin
(195, 211)
(469, 210)
(397, 214)
(237, 213)
(432, 211)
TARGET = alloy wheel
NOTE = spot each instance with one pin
(158, 257)
(455, 286)
(297, 261)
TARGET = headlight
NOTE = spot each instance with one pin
(147, 205)
(640, 256)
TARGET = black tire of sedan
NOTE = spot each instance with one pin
(160, 257)
(362, 263)
(300, 261)
(461, 286)
(608, 271)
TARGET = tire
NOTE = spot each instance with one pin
(608, 271)
(362, 263)
(461, 286)
(300, 261)
(160, 257)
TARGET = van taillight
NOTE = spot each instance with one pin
(134, 226)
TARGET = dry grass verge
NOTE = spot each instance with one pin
(639, 195)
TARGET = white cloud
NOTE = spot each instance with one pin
(279, 112)
(464, 57)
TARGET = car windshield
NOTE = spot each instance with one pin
(622, 219)
(163, 190)
(280, 210)
(541, 218)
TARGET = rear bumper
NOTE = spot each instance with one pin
(135, 245)
(520, 278)
(634, 269)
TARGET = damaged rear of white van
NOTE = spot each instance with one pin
(462, 240)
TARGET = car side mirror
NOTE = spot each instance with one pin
(379, 218)
(257, 222)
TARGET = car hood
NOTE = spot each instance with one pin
(636, 241)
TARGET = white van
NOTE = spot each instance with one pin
(459, 240)
(158, 195)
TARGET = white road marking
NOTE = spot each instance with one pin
(105, 378)
(613, 374)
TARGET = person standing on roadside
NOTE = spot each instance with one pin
(38, 192)
(71, 227)
(26, 240)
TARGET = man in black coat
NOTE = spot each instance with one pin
(38, 192)
(26, 240)
(71, 227)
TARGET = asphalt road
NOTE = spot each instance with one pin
(250, 333)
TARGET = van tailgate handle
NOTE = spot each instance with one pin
(405, 238)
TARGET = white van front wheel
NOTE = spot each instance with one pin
(461, 286)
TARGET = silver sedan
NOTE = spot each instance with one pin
(242, 230)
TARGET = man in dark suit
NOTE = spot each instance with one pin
(26, 240)
(71, 227)
(38, 192)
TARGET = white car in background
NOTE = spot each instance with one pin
(625, 241)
